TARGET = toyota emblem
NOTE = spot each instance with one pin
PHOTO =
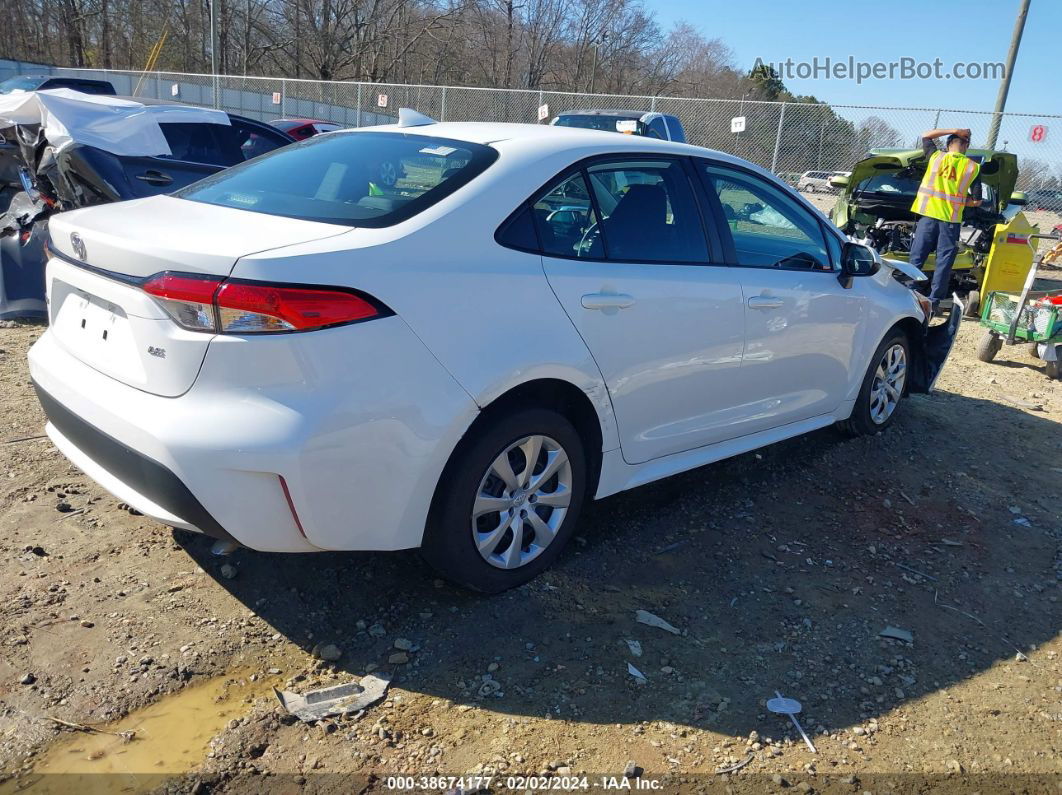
(79, 246)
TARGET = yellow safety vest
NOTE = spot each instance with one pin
(942, 194)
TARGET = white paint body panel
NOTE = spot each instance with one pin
(361, 420)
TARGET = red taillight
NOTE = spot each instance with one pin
(187, 299)
(244, 307)
(251, 307)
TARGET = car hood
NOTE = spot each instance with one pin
(999, 170)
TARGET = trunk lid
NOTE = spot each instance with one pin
(97, 310)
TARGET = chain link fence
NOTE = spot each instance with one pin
(785, 137)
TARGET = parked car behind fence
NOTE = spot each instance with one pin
(817, 181)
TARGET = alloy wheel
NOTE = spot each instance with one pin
(521, 502)
(889, 381)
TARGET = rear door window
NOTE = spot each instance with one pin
(675, 128)
(336, 178)
(656, 129)
(196, 142)
(251, 139)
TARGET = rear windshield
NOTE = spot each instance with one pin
(369, 179)
(20, 83)
(597, 122)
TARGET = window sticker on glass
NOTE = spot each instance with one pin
(627, 126)
(438, 151)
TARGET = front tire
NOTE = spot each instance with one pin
(508, 501)
(973, 304)
(883, 388)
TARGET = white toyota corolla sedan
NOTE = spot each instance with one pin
(291, 357)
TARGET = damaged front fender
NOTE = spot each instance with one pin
(931, 349)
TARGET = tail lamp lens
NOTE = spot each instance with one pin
(187, 299)
(247, 308)
(242, 307)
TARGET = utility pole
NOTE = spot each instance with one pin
(214, 49)
(593, 69)
(1004, 86)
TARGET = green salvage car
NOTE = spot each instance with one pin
(874, 207)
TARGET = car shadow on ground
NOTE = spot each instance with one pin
(779, 569)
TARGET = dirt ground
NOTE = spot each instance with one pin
(779, 569)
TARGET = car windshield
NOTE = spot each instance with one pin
(596, 122)
(369, 179)
(901, 187)
(894, 185)
(20, 83)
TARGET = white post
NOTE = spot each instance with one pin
(357, 121)
(778, 140)
(442, 110)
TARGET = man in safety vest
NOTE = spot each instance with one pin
(942, 196)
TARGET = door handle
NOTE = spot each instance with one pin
(607, 301)
(155, 177)
(764, 302)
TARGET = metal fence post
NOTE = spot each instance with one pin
(936, 121)
(778, 140)
(442, 108)
(652, 105)
(283, 97)
(357, 120)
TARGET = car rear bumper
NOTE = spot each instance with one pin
(333, 440)
(145, 484)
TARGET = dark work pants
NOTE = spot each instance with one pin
(943, 237)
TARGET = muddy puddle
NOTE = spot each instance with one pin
(169, 737)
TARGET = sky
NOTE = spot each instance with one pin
(975, 30)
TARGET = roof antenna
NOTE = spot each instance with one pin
(407, 117)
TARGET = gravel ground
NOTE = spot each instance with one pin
(779, 569)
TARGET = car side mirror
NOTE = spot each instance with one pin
(1019, 198)
(840, 182)
(857, 260)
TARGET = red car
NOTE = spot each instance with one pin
(301, 129)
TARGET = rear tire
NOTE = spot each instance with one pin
(486, 496)
(883, 388)
(1052, 370)
(1033, 349)
(973, 304)
(989, 346)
